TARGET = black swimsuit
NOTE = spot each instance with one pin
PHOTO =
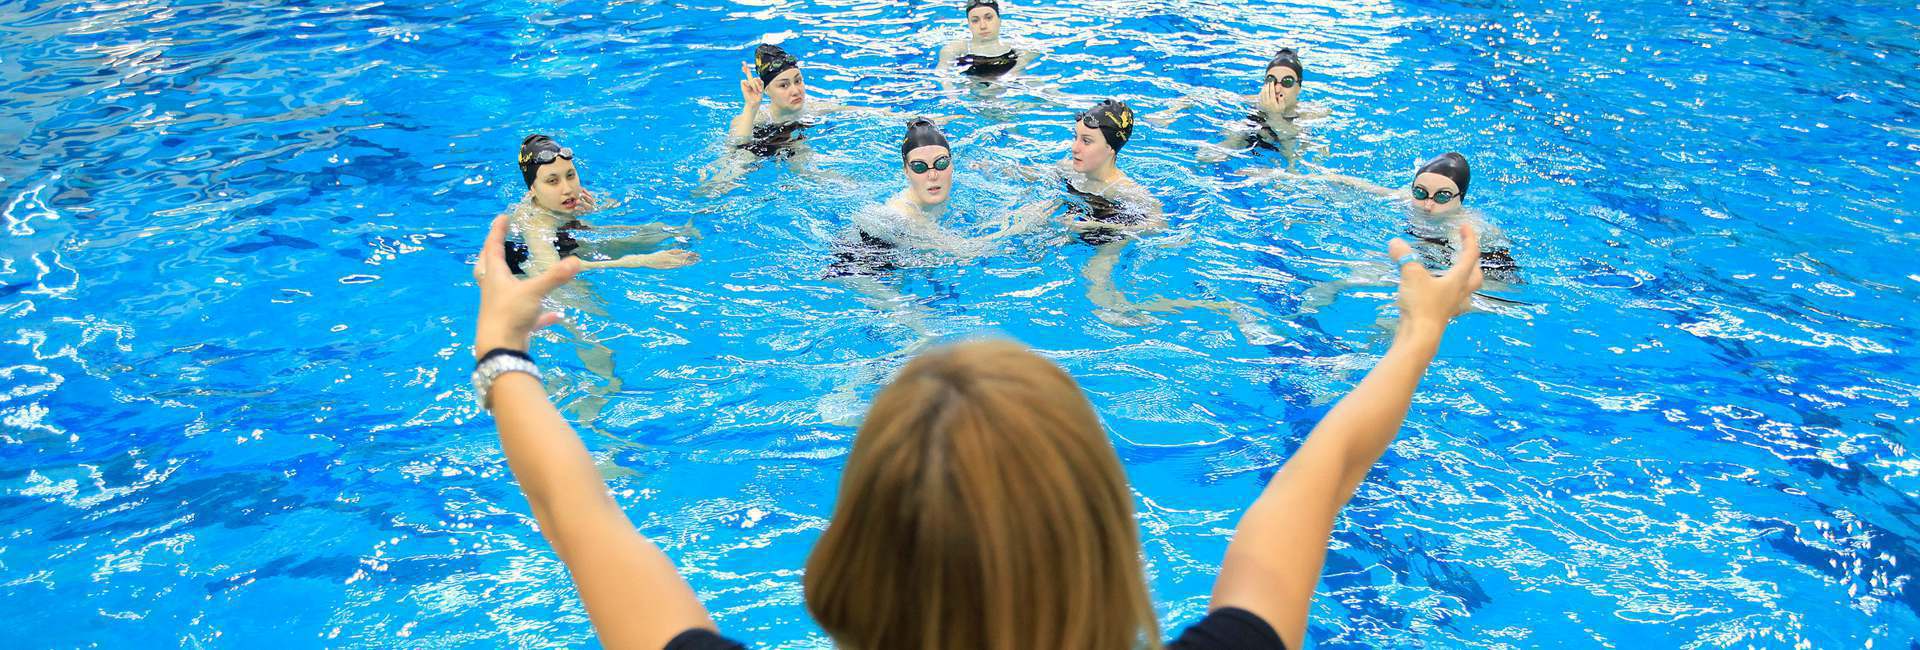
(1264, 137)
(988, 66)
(866, 257)
(517, 253)
(1496, 263)
(769, 140)
(1095, 207)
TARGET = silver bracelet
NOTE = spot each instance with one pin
(491, 369)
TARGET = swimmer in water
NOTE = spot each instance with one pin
(909, 224)
(548, 218)
(906, 231)
(982, 55)
(780, 132)
(1275, 122)
(1107, 209)
(1436, 203)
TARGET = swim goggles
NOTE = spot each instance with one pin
(941, 163)
(1442, 197)
(1285, 82)
(545, 156)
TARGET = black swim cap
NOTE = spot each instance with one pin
(769, 61)
(1287, 58)
(1114, 120)
(1451, 165)
(922, 132)
(537, 150)
(975, 4)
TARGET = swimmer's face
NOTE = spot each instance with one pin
(984, 22)
(934, 183)
(556, 187)
(1281, 86)
(789, 90)
(1090, 149)
(1436, 187)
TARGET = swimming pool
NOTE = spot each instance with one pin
(233, 399)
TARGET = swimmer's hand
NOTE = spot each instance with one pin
(667, 259)
(751, 88)
(510, 309)
(1428, 302)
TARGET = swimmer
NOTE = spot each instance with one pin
(1107, 209)
(1274, 123)
(780, 131)
(908, 225)
(982, 55)
(1436, 204)
(905, 231)
(549, 215)
(548, 218)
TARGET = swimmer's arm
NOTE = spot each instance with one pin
(742, 126)
(1172, 111)
(1358, 183)
(751, 90)
(1234, 141)
(1026, 58)
(1156, 215)
(661, 260)
(541, 253)
(1027, 217)
(949, 53)
(633, 593)
(1029, 173)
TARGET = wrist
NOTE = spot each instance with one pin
(1419, 331)
(486, 341)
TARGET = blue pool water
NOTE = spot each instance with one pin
(233, 400)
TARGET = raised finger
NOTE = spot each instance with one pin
(1466, 258)
(1407, 261)
(493, 254)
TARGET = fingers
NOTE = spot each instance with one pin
(1466, 256)
(560, 274)
(1400, 252)
(493, 254)
(547, 320)
(746, 70)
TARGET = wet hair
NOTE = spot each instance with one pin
(769, 61)
(921, 132)
(976, 4)
(1286, 57)
(530, 158)
(1114, 120)
(1451, 165)
(981, 508)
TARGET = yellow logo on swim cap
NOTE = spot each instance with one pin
(1124, 117)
